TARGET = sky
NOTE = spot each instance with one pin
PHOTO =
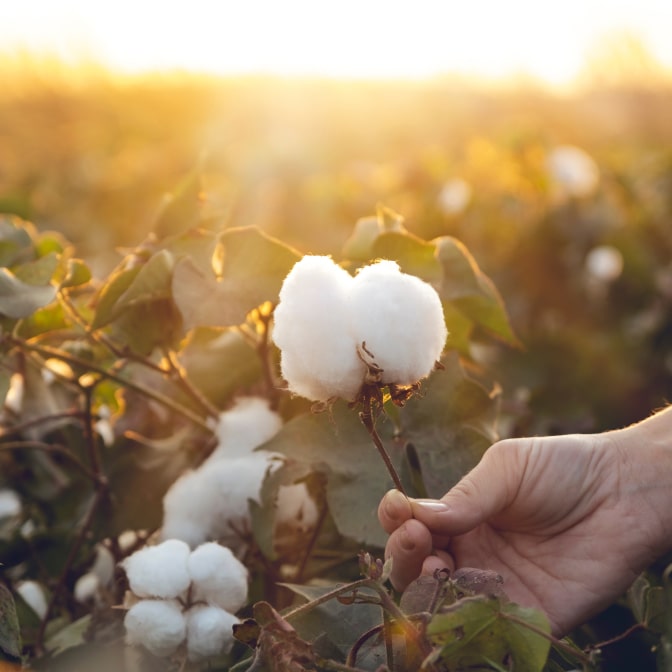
(351, 38)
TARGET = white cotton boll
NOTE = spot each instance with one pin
(103, 565)
(248, 424)
(15, 393)
(604, 263)
(212, 501)
(127, 539)
(454, 196)
(400, 318)
(158, 625)
(312, 330)
(86, 588)
(296, 507)
(33, 595)
(10, 503)
(209, 632)
(218, 577)
(159, 571)
(573, 170)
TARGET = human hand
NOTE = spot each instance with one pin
(568, 521)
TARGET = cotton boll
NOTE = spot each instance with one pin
(86, 588)
(248, 424)
(158, 625)
(188, 508)
(33, 595)
(296, 507)
(312, 329)
(10, 503)
(454, 196)
(218, 577)
(159, 571)
(573, 170)
(212, 501)
(209, 632)
(400, 318)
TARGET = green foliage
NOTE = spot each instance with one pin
(164, 341)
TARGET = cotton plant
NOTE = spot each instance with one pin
(355, 337)
(184, 600)
(212, 501)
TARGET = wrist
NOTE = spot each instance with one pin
(645, 457)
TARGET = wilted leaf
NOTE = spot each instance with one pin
(10, 634)
(476, 630)
(18, 299)
(340, 624)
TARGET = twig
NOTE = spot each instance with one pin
(177, 373)
(48, 351)
(29, 424)
(298, 578)
(618, 638)
(55, 449)
(366, 416)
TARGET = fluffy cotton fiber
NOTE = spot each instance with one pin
(248, 424)
(159, 571)
(400, 318)
(218, 577)
(209, 631)
(212, 501)
(312, 330)
(324, 315)
(158, 625)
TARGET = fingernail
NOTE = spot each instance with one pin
(433, 505)
(395, 501)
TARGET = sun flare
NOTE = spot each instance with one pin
(345, 39)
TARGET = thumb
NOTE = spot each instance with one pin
(481, 494)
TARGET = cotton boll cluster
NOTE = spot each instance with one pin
(191, 603)
(325, 316)
(212, 502)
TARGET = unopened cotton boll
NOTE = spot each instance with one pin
(159, 571)
(209, 631)
(244, 427)
(312, 330)
(158, 625)
(400, 318)
(218, 577)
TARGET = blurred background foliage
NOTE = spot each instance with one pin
(586, 276)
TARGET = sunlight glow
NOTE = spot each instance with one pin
(349, 39)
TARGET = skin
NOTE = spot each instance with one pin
(568, 521)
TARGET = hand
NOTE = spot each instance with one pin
(568, 521)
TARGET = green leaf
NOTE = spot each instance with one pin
(253, 267)
(16, 241)
(70, 636)
(414, 255)
(77, 274)
(42, 321)
(10, 634)
(18, 299)
(476, 630)
(470, 290)
(152, 282)
(220, 362)
(118, 282)
(450, 426)
(38, 272)
(333, 624)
